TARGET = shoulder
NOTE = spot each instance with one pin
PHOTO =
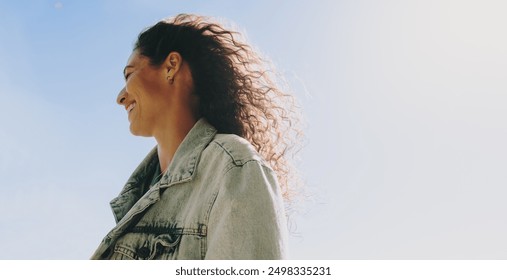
(235, 149)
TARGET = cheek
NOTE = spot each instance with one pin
(155, 86)
(135, 89)
(146, 85)
(130, 88)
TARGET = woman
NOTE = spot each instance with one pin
(214, 186)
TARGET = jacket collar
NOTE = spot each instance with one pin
(181, 169)
(187, 155)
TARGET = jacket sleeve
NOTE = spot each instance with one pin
(247, 219)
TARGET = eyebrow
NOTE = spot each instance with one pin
(125, 69)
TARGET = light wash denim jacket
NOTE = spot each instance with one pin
(218, 200)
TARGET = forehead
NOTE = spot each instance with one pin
(134, 58)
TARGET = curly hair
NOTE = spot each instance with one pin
(239, 91)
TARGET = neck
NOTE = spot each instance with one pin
(169, 137)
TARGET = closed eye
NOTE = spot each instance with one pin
(126, 75)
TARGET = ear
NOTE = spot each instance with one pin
(172, 64)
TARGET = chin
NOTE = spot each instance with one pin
(134, 133)
(134, 130)
(138, 132)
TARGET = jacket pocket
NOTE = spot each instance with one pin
(145, 246)
(164, 246)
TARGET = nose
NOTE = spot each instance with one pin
(121, 96)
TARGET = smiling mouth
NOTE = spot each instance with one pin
(131, 106)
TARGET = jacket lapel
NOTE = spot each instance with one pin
(130, 204)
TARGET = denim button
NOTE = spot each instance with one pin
(143, 252)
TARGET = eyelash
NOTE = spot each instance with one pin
(127, 76)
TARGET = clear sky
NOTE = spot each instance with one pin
(405, 104)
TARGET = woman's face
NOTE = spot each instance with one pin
(144, 95)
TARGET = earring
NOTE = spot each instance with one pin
(170, 76)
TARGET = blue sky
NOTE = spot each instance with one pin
(404, 100)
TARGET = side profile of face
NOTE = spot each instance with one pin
(144, 95)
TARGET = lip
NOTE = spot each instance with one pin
(130, 107)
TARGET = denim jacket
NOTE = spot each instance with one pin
(217, 200)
